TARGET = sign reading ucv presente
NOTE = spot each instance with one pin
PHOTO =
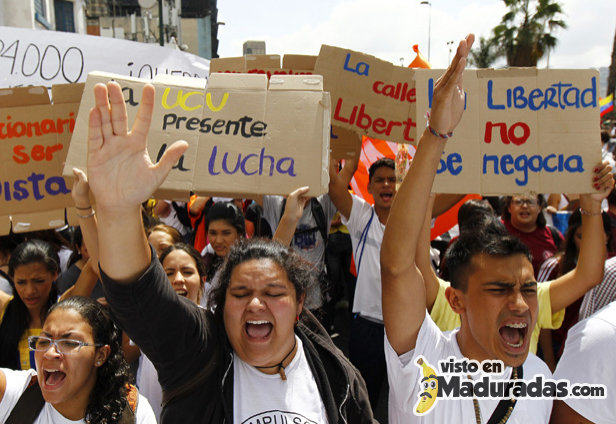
(242, 138)
(523, 130)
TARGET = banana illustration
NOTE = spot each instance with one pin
(429, 387)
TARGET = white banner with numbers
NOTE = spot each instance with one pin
(37, 57)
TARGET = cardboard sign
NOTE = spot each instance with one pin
(292, 64)
(36, 57)
(244, 137)
(369, 96)
(344, 144)
(35, 137)
(524, 130)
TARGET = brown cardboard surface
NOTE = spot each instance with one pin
(515, 160)
(369, 95)
(344, 143)
(292, 64)
(35, 137)
(244, 137)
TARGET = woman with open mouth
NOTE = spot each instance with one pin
(81, 375)
(255, 354)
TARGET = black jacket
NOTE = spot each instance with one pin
(194, 359)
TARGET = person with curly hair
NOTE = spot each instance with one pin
(81, 375)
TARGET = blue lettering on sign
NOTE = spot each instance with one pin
(361, 68)
(36, 185)
(331, 133)
(559, 95)
(452, 163)
(535, 163)
(262, 162)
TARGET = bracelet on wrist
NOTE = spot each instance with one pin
(85, 208)
(90, 215)
(588, 213)
(444, 136)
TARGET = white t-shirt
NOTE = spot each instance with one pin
(310, 244)
(262, 398)
(404, 384)
(16, 384)
(366, 242)
(588, 357)
(148, 385)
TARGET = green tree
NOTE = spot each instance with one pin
(525, 32)
(485, 54)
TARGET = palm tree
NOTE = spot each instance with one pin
(485, 54)
(525, 35)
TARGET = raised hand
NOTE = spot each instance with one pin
(448, 99)
(296, 202)
(81, 189)
(603, 180)
(120, 172)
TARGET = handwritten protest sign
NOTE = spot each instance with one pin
(244, 137)
(524, 130)
(35, 136)
(369, 96)
(292, 64)
(36, 57)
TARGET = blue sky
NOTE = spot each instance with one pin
(388, 28)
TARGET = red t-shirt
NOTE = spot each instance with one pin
(540, 243)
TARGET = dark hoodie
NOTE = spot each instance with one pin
(193, 357)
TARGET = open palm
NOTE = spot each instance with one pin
(120, 171)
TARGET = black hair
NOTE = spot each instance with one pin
(473, 214)
(611, 198)
(605, 136)
(568, 251)
(299, 272)
(380, 163)
(77, 243)
(16, 318)
(228, 212)
(192, 252)
(492, 241)
(108, 396)
(540, 202)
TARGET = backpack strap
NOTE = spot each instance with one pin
(29, 405)
(504, 408)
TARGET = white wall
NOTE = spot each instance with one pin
(18, 13)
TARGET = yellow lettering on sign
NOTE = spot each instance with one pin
(208, 102)
(180, 100)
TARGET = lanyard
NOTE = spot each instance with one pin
(362, 241)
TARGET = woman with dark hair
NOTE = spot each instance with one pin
(186, 273)
(565, 260)
(224, 225)
(256, 353)
(81, 374)
(162, 236)
(523, 217)
(33, 268)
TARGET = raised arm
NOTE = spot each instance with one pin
(85, 212)
(85, 283)
(292, 214)
(591, 259)
(121, 177)
(422, 259)
(404, 293)
(339, 183)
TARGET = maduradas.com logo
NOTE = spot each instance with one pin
(468, 379)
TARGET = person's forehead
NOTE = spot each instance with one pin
(514, 268)
(64, 321)
(258, 273)
(179, 257)
(31, 268)
(384, 171)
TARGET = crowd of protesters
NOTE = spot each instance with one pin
(223, 310)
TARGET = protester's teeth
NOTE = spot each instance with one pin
(520, 325)
(258, 322)
(516, 344)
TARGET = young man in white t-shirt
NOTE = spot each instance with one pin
(366, 224)
(493, 290)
